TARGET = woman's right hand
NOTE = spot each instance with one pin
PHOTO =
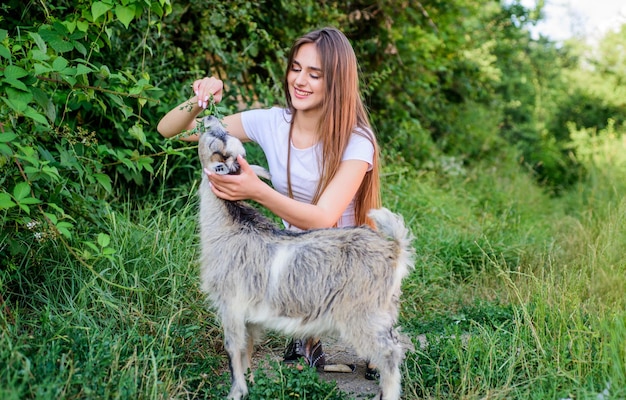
(183, 116)
(206, 88)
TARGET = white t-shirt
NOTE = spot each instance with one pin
(270, 129)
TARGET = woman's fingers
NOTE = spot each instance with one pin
(243, 186)
(207, 89)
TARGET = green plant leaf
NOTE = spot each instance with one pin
(59, 64)
(41, 69)
(5, 201)
(53, 218)
(82, 26)
(125, 14)
(79, 47)
(39, 55)
(19, 96)
(104, 181)
(82, 69)
(145, 163)
(39, 41)
(36, 116)
(137, 132)
(86, 254)
(18, 106)
(21, 190)
(30, 200)
(16, 84)
(4, 52)
(14, 72)
(69, 25)
(52, 173)
(64, 228)
(104, 240)
(61, 46)
(69, 79)
(7, 137)
(30, 170)
(6, 150)
(98, 9)
(92, 246)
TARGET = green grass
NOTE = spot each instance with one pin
(520, 295)
(68, 334)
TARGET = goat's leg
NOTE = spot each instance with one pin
(388, 357)
(390, 382)
(375, 340)
(254, 332)
(235, 343)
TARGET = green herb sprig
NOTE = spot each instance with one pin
(212, 109)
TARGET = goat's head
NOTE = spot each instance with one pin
(218, 150)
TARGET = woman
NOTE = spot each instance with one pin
(320, 148)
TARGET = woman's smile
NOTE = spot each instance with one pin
(301, 93)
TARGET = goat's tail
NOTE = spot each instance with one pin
(392, 226)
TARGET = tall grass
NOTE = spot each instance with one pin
(536, 309)
(69, 334)
(519, 294)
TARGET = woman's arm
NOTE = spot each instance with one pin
(183, 116)
(324, 214)
(180, 118)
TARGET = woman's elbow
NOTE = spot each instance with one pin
(162, 129)
(325, 221)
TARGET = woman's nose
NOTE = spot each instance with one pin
(300, 79)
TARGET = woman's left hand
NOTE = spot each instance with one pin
(245, 186)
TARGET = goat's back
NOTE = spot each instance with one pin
(300, 275)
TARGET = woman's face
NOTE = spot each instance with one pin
(306, 79)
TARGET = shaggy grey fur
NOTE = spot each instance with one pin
(340, 281)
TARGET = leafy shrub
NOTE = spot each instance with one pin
(61, 101)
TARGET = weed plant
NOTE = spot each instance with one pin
(274, 380)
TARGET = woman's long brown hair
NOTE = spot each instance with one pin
(344, 114)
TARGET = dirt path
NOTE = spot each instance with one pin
(353, 383)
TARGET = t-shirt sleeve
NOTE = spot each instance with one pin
(359, 148)
(261, 123)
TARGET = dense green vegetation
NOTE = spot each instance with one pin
(505, 154)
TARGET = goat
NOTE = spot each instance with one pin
(339, 281)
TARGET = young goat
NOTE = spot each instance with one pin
(339, 281)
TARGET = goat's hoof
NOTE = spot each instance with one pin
(235, 397)
(371, 374)
(237, 394)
